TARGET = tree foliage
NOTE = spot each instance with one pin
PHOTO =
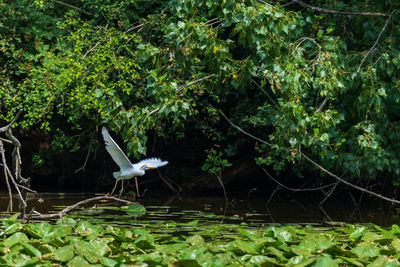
(321, 83)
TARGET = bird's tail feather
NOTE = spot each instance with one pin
(116, 174)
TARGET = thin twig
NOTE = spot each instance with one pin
(16, 186)
(73, 7)
(323, 10)
(287, 4)
(376, 42)
(329, 193)
(319, 109)
(134, 28)
(91, 49)
(265, 92)
(193, 82)
(87, 155)
(318, 166)
(297, 189)
(273, 193)
(27, 189)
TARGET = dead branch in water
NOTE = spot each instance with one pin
(19, 181)
(62, 213)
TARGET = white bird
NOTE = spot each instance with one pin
(127, 169)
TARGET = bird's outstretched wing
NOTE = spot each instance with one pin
(116, 153)
(152, 163)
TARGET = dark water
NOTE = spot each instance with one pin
(246, 209)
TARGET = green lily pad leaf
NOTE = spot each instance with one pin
(144, 241)
(34, 251)
(396, 244)
(300, 261)
(10, 221)
(68, 221)
(261, 260)
(352, 261)
(85, 229)
(284, 234)
(371, 236)
(240, 247)
(325, 260)
(366, 250)
(87, 250)
(193, 223)
(12, 228)
(196, 241)
(135, 210)
(315, 243)
(395, 229)
(78, 261)
(15, 239)
(276, 252)
(101, 248)
(252, 235)
(384, 261)
(65, 253)
(358, 232)
(108, 262)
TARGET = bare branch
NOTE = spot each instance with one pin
(193, 82)
(87, 155)
(318, 166)
(376, 42)
(134, 28)
(5, 128)
(265, 92)
(90, 50)
(298, 189)
(329, 193)
(323, 10)
(80, 203)
(16, 187)
(322, 105)
(3, 157)
(73, 7)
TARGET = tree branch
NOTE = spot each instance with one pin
(323, 10)
(73, 7)
(5, 128)
(298, 189)
(62, 213)
(193, 82)
(376, 42)
(318, 166)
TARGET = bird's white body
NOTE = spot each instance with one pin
(127, 169)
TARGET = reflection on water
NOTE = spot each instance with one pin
(244, 209)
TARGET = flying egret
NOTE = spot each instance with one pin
(127, 169)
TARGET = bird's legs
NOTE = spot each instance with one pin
(122, 188)
(137, 187)
(115, 186)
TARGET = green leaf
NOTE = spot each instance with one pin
(135, 210)
(34, 251)
(15, 239)
(65, 253)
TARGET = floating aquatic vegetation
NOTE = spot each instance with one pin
(126, 236)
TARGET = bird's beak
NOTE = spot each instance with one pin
(150, 168)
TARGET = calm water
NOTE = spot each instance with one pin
(252, 209)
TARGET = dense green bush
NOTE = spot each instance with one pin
(320, 83)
